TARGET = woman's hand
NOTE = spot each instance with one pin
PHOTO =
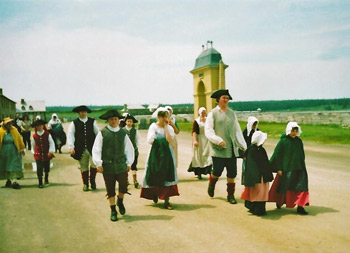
(72, 151)
(195, 143)
(128, 168)
(99, 169)
(279, 173)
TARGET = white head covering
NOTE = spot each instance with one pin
(200, 110)
(251, 121)
(37, 117)
(169, 108)
(259, 138)
(159, 109)
(290, 126)
(53, 115)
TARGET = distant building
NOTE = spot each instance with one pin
(133, 107)
(32, 108)
(7, 107)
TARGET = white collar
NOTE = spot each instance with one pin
(40, 133)
(83, 120)
(128, 128)
(115, 129)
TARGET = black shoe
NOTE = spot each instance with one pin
(46, 181)
(231, 199)
(85, 188)
(93, 185)
(41, 186)
(211, 189)
(114, 216)
(16, 186)
(199, 176)
(278, 206)
(121, 206)
(8, 184)
(136, 185)
(155, 199)
(301, 210)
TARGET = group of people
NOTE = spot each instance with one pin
(15, 138)
(220, 135)
(217, 143)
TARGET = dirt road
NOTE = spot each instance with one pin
(63, 218)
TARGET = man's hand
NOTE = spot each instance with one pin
(72, 151)
(222, 144)
(23, 153)
(99, 169)
(50, 155)
(128, 168)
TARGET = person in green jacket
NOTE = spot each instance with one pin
(288, 160)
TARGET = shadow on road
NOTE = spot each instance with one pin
(133, 218)
(189, 180)
(183, 207)
(47, 186)
(276, 214)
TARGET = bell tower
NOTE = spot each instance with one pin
(208, 76)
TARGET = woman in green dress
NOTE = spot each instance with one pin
(11, 152)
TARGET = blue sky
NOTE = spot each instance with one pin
(116, 52)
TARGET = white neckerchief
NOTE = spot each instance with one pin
(128, 128)
(83, 120)
(115, 129)
(40, 133)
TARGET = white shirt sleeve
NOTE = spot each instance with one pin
(96, 129)
(151, 135)
(138, 138)
(209, 130)
(51, 144)
(239, 136)
(71, 135)
(97, 150)
(129, 151)
(49, 125)
(171, 131)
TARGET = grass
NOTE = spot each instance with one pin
(326, 134)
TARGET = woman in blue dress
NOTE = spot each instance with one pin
(11, 152)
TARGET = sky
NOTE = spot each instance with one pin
(97, 52)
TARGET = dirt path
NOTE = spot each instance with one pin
(63, 218)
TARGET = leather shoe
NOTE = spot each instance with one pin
(301, 210)
(114, 216)
(16, 186)
(8, 184)
(211, 189)
(85, 188)
(121, 206)
(231, 199)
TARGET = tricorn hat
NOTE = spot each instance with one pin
(81, 108)
(129, 116)
(110, 114)
(38, 122)
(218, 93)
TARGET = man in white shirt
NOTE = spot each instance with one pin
(225, 135)
(81, 136)
(113, 153)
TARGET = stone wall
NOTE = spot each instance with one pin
(311, 117)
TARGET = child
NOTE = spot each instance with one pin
(44, 147)
(160, 177)
(135, 140)
(288, 160)
(258, 175)
(113, 154)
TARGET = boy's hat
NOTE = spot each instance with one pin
(218, 93)
(129, 116)
(110, 114)
(39, 122)
(6, 120)
(81, 108)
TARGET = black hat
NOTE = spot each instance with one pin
(110, 114)
(129, 116)
(218, 93)
(81, 108)
(38, 122)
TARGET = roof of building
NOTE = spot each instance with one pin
(31, 106)
(7, 98)
(208, 57)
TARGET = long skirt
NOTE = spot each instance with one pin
(290, 198)
(10, 160)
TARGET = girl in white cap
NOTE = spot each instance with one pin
(258, 175)
(201, 161)
(288, 160)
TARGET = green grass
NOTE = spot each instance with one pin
(326, 134)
